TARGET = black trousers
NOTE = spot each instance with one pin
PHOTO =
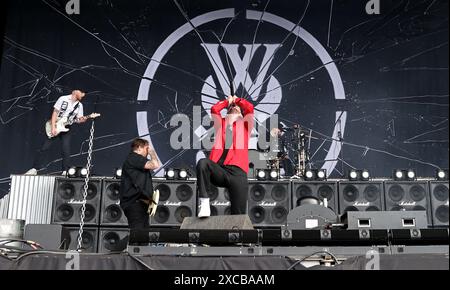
(288, 167)
(42, 157)
(230, 177)
(138, 219)
(137, 215)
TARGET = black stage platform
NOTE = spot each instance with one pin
(125, 261)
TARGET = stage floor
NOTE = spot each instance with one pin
(126, 261)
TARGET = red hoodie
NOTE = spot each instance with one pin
(242, 128)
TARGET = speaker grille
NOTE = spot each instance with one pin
(269, 203)
(257, 193)
(442, 214)
(162, 214)
(90, 213)
(279, 214)
(185, 192)
(417, 193)
(320, 190)
(372, 193)
(257, 214)
(112, 190)
(351, 208)
(279, 193)
(65, 212)
(361, 196)
(113, 240)
(351, 193)
(177, 201)
(440, 192)
(181, 213)
(373, 208)
(89, 240)
(439, 203)
(408, 196)
(68, 201)
(396, 193)
(66, 191)
(326, 192)
(164, 192)
(112, 214)
(92, 191)
(303, 191)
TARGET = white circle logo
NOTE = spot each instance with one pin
(266, 104)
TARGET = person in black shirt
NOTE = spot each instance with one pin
(136, 188)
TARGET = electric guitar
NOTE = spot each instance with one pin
(61, 125)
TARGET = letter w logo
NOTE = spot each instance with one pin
(240, 66)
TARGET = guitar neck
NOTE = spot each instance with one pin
(92, 116)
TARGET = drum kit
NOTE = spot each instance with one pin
(290, 150)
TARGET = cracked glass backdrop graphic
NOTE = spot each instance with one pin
(372, 89)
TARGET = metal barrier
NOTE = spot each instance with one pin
(30, 199)
(4, 203)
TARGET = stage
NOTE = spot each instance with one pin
(387, 242)
(126, 261)
(345, 143)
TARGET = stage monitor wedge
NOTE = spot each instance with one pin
(386, 220)
(50, 237)
(232, 222)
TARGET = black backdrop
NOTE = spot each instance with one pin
(391, 77)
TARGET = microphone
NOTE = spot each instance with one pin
(232, 92)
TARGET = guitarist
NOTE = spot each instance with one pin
(69, 106)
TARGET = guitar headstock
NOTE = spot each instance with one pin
(94, 116)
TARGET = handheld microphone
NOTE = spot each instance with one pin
(232, 92)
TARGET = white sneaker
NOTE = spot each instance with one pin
(204, 208)
(32, 171)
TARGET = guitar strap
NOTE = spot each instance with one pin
(73, 112)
